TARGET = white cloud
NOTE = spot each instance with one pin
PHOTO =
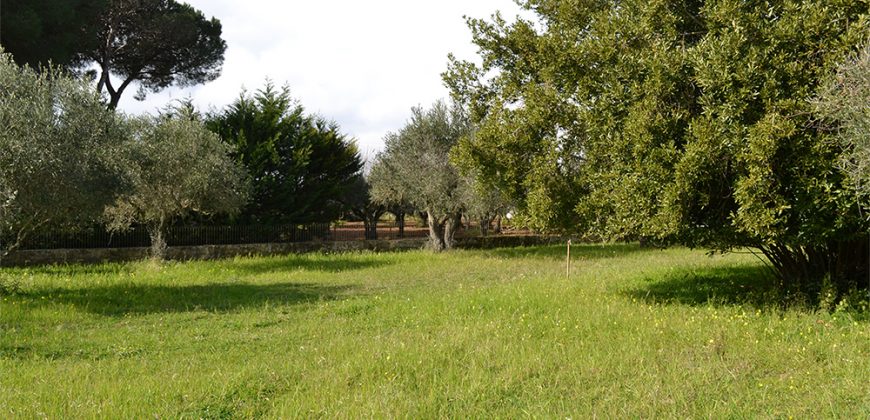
(363, 64)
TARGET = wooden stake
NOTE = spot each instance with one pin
(568, 261)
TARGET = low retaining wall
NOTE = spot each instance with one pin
(206, 252)
(489, 242)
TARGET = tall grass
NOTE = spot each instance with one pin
(500, 333)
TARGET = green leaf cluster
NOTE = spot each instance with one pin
(156, 43)
(67, 162)
(300, 165)
(60, 154)
(360, 204)
(39, 32)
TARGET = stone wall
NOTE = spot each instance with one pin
(206, 252)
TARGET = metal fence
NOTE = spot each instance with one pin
(189, 235)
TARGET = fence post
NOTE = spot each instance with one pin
(568, 261)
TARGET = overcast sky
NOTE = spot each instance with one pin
(363, 64)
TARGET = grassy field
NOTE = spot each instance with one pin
(631, 333)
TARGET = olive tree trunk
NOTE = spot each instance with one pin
(450, 227)
(400, 223)
(442, 231)
(436, 233)
(157, 234)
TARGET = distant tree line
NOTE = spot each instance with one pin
(415, 171)
(268, 161)
(66, 161)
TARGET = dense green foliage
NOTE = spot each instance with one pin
(685, 121)
(416, 166)
(176, 167)
(502, 333)
(38, 32)
(59, 152)
(156, 43)
(300, 164)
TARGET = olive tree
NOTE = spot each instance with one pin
(844, 100)
(59, 150)
(385, 188)
(418, 158)
(176, 167)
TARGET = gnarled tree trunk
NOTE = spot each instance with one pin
(158, 239)
(436, 233)
(484, 226)
(442, 231)
(451, 225)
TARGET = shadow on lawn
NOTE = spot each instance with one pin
(121, 299)
(305, 262)
(753, 285)
(258, 265)
(74, 269)
(588, 251)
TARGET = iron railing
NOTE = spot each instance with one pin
(190, 235)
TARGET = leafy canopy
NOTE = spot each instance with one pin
(156, 43)
(39, 32)
(176, 167)
(844, 100)
(360, 204)
(299, 164)
(60, 152)
(415, 167)
(687, 121)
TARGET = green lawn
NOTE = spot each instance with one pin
(632, 333)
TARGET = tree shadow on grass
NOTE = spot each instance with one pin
(731, 285)
(123, 299)
(254, 265)
(74, 269)
(308, 262)
(587, 251)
